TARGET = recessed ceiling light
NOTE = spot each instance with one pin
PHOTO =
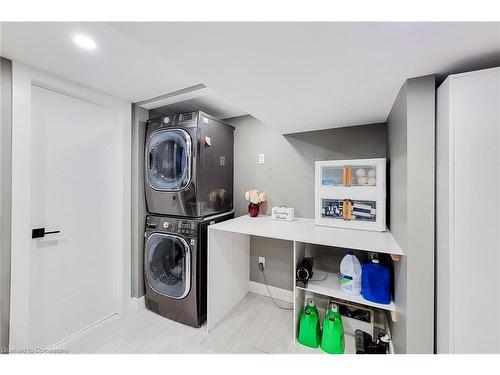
(85, 42)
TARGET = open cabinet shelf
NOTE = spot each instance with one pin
(379, 323)
(330, 287)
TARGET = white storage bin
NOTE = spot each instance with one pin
(357, 173)
(351, 194)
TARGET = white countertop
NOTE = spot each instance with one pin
(304, 230)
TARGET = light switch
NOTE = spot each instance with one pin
(261, 159)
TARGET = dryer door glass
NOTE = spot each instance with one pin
(168, 265)
(168, 160)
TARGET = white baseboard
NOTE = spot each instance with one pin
(278, 293)
(137, 304)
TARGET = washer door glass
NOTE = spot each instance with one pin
(168, 265)
(168, 160)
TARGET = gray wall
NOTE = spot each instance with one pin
(288, 173)
(288, 177)
(279, 262)
(139, 117)
(411, 150)
(5, 197)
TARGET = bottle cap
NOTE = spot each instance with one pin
(375, 260)
(310, 302)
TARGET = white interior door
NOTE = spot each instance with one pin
(75, 177)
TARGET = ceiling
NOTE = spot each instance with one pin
(292, 76)
(120, 66)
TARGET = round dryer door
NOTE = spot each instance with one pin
(168, 265)
(168, 160)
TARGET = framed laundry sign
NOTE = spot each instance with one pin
(282, 213)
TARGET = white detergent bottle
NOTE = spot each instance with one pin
(350, 274)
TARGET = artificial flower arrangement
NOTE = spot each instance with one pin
(255, 198)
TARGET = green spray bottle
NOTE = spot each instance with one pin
(309, 330)
(333, 332)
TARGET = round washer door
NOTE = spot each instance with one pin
(168, 160)
(167, 265)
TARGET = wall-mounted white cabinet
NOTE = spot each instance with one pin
(351, 194)
(468, 213)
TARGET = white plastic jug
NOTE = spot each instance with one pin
(350, 274)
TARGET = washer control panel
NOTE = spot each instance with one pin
(179, 120)
(187, 228)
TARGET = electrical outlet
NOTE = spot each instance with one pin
(262, 261)
(261, 159)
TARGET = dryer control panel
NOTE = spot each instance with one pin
(185, 227)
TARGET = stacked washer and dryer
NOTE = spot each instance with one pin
(188, 186)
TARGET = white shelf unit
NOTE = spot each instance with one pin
(229, 252)
(331, 287)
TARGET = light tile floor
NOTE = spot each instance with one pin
(255, 326)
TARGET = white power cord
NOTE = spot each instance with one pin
(261, 268)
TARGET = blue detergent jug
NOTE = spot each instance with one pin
(376, 282)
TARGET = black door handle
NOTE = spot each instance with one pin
(40, 232)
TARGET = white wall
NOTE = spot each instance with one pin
(5, 197)
(288, 173)
(411, 151)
